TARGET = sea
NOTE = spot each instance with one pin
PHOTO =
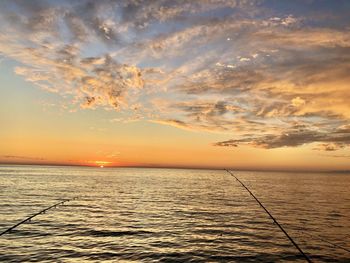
(172, 215)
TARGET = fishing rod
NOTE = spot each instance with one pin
(274, 220)
(36, 214)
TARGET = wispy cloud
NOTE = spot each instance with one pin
(238, 67)
(23, 157)
(330, 141)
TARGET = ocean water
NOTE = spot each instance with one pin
(171, 215)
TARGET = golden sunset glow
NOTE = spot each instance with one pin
(102, 163)
(241, 84)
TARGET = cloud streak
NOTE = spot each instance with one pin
(23, 157)
(292, 138)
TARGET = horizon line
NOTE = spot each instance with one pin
(181, 167)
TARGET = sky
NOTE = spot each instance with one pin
(211, 83)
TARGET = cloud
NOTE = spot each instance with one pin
(175, 123)
(237, 67)
(298, 102)
(48, 41)
(331, 141)
(329, 147)
(337, 156)
(23, 157)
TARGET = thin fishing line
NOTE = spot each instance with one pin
(274, 220)
(36, 214)
(304, 231)
(324, 240)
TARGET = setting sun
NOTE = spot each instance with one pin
(102, 164)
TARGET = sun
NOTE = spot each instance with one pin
(101, 164)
